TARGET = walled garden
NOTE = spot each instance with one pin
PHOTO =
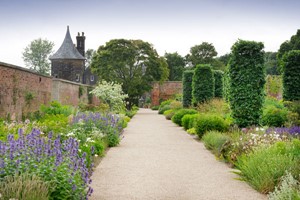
(52, 154)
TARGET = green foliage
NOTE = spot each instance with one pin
(215, 141)
(177, 117)
(36, 55)
(111, 94)
(176, 65)
(130, 113)
(273, 116)
(113, 139)
(285, 47)
(271, 63)
(56, 123)
(187, 80)
(154, 107)
(203, 84)
(169, 114)
(215, 106)
(273, 86)
(218, 75)
(202, 54)
(209, 122)
(80, 91)
(290, 77)
(226, 85)
(264, 167)
(188, 120)
(164, 108)
(191, 131)
(247, 79)
(24, 186)
(28, 98)
(133, 63)
(56, 108)
(288, 189)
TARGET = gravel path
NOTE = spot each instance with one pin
(158, 160)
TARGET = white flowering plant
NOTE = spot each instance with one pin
(111, 94)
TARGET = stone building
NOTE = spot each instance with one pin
(69, 62)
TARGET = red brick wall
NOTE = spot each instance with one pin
(165, 91)
(16, 85)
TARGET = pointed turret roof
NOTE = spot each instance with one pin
(67, 50)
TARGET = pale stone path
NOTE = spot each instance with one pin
(158, 160)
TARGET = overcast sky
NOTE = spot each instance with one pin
(170, 25)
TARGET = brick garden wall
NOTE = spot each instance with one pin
(22, 91)
(17, 84)
(165, 91)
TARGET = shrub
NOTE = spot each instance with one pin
(273, 86)
(191, 131)
(247, 79)
(209, 122)
(166, 102)
(288, 189)
(290, 77)
(56, 108)
(24, 186)
(175, 105)
(187, 80)
(177, 117)
(203, 84)
(164, 108)
(264, 167)
(218, 75)
(154, 107)
(214, 140)
(187, 120)
(169, 114)
(274, 117)
(215, 106)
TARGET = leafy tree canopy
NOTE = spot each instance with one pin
(292, 44)
(176, 65)
(133, 63)
(36, 55)
(89, 55)
(271, 63)
(202, 54)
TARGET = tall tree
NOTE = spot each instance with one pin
(202, 54)
(271, 63)
(89, 56)
(133, 63)
(36, 55)
(285, 47)
(176, 65)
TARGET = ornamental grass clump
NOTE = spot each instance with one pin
(264, 167)
(24, 186)
(55, 161)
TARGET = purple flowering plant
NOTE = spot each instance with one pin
(55, 161)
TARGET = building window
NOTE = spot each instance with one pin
(77, 77)
(92, 78)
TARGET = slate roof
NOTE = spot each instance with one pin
(67, 50)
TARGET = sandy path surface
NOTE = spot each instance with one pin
(158, 160)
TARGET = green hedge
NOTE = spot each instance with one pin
(188, 121)
(203, 84)
(226, 83)
(209, 122)
(187, 80)
(218, 75)
(247, 79)
(177, 117)
(291, 76)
